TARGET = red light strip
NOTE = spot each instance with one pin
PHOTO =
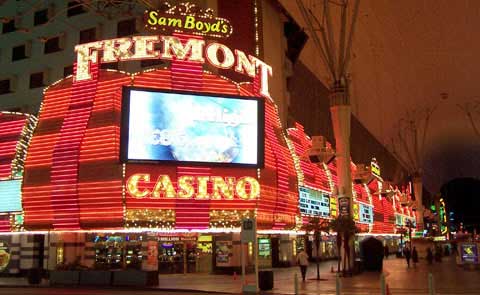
(11, 127)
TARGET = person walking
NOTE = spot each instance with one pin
(408, 255)
(438, 254)
(429, 255)
(386, 251)
(414, 257)
(302, 260)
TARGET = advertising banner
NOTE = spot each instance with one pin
(469, 253)
(152, 255)
(344, 206)
(223, 253)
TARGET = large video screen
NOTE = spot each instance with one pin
(314, 202)
(196, 128)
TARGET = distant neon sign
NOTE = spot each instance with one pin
(374, 167)
(192, 50)
(193, 187)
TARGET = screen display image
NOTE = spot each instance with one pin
(188, 127)
(313, 202)
(365, 213)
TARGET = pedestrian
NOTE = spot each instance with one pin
(447, 250)
(429, 255)
(438, 254)
(302, 260)
(386, 252)
(414, 257)
(407, 254)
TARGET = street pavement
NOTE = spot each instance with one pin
(89, 291)
(448, 279)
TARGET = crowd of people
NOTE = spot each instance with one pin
(411, 255)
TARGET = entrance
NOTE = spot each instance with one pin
(275, 252)
(177, 256)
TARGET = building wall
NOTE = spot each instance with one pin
(53, 64)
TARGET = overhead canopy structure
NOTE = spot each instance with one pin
(410, 56)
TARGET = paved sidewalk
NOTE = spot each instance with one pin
(449, 279)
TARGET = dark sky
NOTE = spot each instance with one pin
(463, 198)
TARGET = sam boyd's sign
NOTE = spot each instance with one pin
(187, 18)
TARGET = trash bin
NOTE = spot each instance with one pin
(34, 276)
(372, 250)
(358, 266)
(265, 280)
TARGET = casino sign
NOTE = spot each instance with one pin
(192, 50)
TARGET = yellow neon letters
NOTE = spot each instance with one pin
(196, 187)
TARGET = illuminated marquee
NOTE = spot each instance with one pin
(193, 50)
(188, 18)
(196, 187)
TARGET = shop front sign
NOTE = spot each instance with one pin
(172, 48)
(193, 187)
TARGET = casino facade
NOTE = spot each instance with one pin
(155, 170)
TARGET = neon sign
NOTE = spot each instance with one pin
(188, 18)
(192, 50)
(196, 187)
(374, 167)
